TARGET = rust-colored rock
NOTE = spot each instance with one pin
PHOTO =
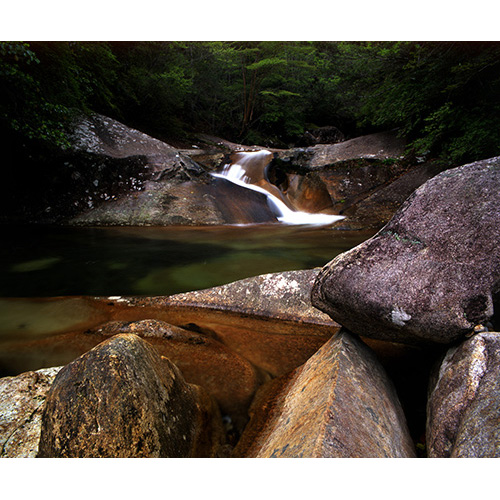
(203, 360)
(229, 378)
(121, 399)
(267, 319)
(21, 404)
(340, 403)
(464, 401)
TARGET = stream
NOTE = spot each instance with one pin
(48, 275)
(39, 261)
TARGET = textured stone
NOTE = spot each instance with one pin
(340, 403)
(267, 319)
(229, 378)
(121, 399)
(21, 404)
(464, 401)
(203, 360)
(431, 273)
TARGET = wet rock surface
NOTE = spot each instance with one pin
(21, 405)
(340, 403)
(431, 274)
(122, 399)
(366, 178)
(267, 319)
(462, 419)
(121, 176)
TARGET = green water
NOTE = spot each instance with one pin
(47, 262)
(49, 276)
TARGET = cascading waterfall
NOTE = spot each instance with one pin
(249, 172)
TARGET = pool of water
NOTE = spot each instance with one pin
(55, 261)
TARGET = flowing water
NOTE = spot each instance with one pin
(249, 171)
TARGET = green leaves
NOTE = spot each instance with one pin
(442, 96)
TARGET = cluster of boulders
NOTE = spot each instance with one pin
(390, 350)
(121, 176)
(432, 277)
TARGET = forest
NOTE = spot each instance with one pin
(443, 97)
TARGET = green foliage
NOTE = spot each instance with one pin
(441, 96)
(23, 108)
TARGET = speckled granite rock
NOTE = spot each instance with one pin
(340, 403)
(121, 399)
(21, 404)
(432, 273)
(464, 401)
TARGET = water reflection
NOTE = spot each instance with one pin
(48, 262)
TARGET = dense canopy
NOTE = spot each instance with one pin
(442, 96)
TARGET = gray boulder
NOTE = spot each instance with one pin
(464, 401)
(432, 273)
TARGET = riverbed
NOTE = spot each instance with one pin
(49, 276)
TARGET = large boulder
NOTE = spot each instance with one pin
(382, 146)
(432, 273)
(203, 360)
(172, 189)
(339, 404)
(464, 401)
(122, 399)
(21, 405)
(365, 179)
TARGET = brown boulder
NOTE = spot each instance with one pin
(229, 378)
(464, 402)
(121, 399)
(340, 403)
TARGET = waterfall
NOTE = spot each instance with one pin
(248, 171)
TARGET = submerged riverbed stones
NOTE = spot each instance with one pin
(464, 401)
(21, 405)
(267, 319)
(339, 404)
(432, 273)
(122, 399)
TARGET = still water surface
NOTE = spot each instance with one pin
(55, 261)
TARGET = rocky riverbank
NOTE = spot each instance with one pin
(403, 363)
(115, 175)
(390, 350)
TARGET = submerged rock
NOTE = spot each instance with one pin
(267, 319)
(21, 405)
(122, 399)
(464, 401)
(340, 403)
(431, 274)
